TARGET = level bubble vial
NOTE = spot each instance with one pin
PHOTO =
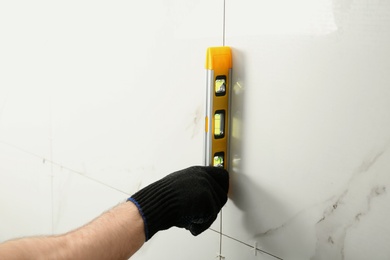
(220, 85)
(219, 124)
(219, 160)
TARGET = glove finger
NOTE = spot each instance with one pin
(199, 226)
(220, 175)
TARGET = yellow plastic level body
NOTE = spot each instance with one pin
(217, 121)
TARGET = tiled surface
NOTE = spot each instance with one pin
(25, 172)
(312, 146)
(25, 194)
(99, 99)
(78, 200)
(180, 244)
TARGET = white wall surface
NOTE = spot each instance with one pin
(100, 98)
(312, 102)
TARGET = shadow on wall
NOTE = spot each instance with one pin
(236, 112)
(264, 216)
(244, 192)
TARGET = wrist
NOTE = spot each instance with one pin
(157, 207)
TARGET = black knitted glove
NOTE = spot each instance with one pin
(190, 198)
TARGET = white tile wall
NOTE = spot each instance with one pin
(98, 99)
(312, 149)
(25, 194)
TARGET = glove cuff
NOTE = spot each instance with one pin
(157, 205)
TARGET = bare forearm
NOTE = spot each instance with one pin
(35, 247)
(117, 234)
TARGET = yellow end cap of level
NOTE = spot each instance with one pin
(218, 57)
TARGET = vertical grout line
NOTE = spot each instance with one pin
(223, 23)
(220, 237)
(51, 162)
(246, 244)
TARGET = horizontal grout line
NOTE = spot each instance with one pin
(116, 189)
(63, 167)
(246, 244)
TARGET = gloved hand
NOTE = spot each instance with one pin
(190, 198)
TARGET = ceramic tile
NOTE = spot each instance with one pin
(181, 245)
(78, 199)
(114, 97)
(310, 133)
(111, 95)
(25, 118)
(233, 249)
(25, 194)
(134, 112)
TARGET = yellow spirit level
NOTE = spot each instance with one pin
(219, 73)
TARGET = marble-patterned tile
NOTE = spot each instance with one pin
(107, 97)
(250, 250)
(310, 132)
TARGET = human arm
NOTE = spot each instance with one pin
(190, 198)
(116, 234)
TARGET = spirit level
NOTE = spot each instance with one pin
(219, 73)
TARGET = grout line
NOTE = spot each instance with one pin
(246, 244)
(90, 178)
(224, 23)
(220, 236)
(53, 163)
